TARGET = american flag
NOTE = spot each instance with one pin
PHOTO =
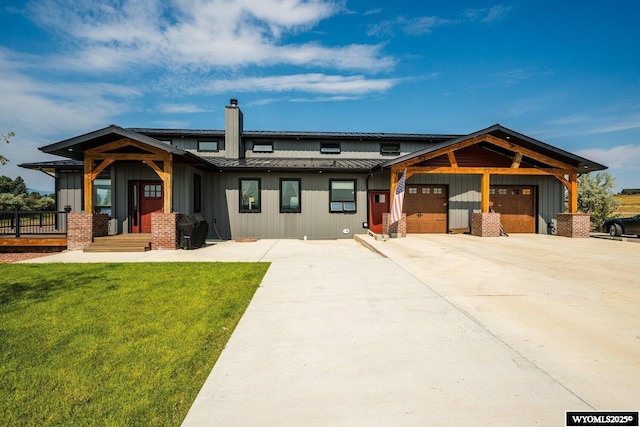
(398, 199)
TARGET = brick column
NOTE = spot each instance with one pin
(164, 230)
(485, 224)
(398, 229)
(574, 224)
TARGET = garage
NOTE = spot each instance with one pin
(516, 205)
(426, 208)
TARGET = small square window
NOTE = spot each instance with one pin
(437, 190)
(413, 190)
(388, 148)
(330, 148)
(526, 191)
(492, 191)
(426, 190)
(515, 192)
(502, 191)
(379, 198)
(208, 146)
(263, 148)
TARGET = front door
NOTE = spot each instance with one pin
(378, 204)
(145, 198)
(426, 208)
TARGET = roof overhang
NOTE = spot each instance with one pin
(75, 148)
(507, 142)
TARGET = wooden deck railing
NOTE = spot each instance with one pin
(22, 223)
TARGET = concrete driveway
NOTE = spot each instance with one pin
(444, 330)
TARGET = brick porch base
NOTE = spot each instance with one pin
(485, 224)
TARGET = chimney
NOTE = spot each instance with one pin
(233, 144)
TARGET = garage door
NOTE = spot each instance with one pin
(516, 206)
(426, 208)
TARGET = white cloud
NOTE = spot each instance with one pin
(621, 157)
(181, 109)
(606, 121)
(309, 83)
(425, 24)
(198, 34)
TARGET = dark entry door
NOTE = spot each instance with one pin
(516, 206)
(426, 208)
(378, 204)
(145, 198)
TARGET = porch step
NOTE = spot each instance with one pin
(121, 243)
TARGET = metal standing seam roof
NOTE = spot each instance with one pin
(352, 165)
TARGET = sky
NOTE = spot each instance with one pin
(564, 72)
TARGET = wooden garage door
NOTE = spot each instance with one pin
(426, 208)
(516, 206)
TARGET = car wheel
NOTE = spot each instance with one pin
(615, 230)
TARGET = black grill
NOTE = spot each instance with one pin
(193, 231)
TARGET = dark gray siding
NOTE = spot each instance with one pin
(315, 221)
(69, 190)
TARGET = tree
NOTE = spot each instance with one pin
(5, 138)
(595, 197)
(19, 187)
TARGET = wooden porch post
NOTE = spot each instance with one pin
(573, 192)
(88, 184)
(168, 184)
(485, 183)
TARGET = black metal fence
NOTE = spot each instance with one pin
(18, 223)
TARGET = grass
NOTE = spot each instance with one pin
(628, 204)
(114, 344)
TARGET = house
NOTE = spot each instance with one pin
(314, 185)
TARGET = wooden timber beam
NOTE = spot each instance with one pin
(525, 151)
(102, 166)
(88, 185)
(165, 173)
(128, 156)
(486, 184)
(452, 159)
(440, 152)
(481, 170)
(573, 192)
(516, 160)
(124, 142)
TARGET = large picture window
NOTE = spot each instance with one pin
(342, 196)
(290, 195)
(250, 195)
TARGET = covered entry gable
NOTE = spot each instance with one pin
(495, 151)
(100, 149)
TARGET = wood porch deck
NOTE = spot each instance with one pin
(132, 242)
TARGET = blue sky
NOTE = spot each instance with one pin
(564, 72)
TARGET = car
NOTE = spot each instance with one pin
(619, 226)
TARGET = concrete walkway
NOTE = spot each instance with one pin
(439, 330)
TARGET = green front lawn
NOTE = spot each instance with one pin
(114, 344)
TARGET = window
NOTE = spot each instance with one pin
(208, 146)
(426, 190)
(492, 191)
(502, 191)
(526, 191)
(387, 148)
(330, 148)
(263, 148)
(197, 193)
(102, 193)
(413, 190)
(437, 190)
(379, 198)
(290, 195)
(515, 192)
(250, 195)
(342, 196)
(153, 191)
